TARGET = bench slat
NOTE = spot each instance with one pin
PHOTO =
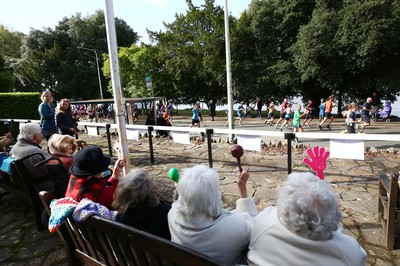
(388, 212)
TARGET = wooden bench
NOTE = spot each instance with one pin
(99, 241)
(388, 207)
(21, 184)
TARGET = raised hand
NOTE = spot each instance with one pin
(243, 177)
(117, 148)
(318, 158)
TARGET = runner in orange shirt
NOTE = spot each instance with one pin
(328, 113)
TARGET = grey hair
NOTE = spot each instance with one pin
(199, 192)
(29, 130)
(136, 189)
(308, 207)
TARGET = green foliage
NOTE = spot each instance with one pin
(262, 63)
(52, 60)
(7, 80)
(350, 47)
(137, 62)
(192, 50)
(10, 43)
(20, 105)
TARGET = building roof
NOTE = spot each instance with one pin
(127, 100)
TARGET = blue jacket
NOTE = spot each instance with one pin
(47, 115)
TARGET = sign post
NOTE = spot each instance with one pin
(149, 84)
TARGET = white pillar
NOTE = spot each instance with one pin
(116, 82)
(228, 69)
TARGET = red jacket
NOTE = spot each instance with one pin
(95, 189)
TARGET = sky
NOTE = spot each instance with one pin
(24, 15)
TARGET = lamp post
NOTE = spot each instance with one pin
(98, 69)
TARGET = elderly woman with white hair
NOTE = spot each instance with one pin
(198, 221)
(304, 228)
(29, 138)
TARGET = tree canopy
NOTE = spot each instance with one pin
(51, 58)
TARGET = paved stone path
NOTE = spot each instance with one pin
(355, 183)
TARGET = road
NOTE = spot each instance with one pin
(337, 126)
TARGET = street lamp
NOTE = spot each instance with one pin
(98, 69)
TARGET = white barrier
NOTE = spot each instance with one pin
(346, 146)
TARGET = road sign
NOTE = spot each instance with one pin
(149, 82)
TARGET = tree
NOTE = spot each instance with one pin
(350, 47)
(10, 43)
(192, 50)
(7, 80)
(10, 50)
(262, 63)
(137, 62)
(52, 60)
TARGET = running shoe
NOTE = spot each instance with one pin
(328, 127)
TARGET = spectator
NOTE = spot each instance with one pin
(65, 118)
(47, 112)
(259, 104)
(304, 228)
(86, 176)
(321, 110)
(110, 110)
(135, 113)
(62, 147)
(29, 138)
(6, 141)
(138, 203)
(198, 221)
(211, 107)
(170, 109)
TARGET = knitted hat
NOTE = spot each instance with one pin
(58, 144)
(89, 161)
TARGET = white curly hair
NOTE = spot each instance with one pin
(308, 206)
(199, 192)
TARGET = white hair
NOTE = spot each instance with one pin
(29, 130)
(199, 192)
(308, 206)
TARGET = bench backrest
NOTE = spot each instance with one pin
(58, 174)
(388, 207)
(23, 185)
(99, 241)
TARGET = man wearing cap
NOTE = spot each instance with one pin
(86, 176)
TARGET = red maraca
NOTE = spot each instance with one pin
(237, 152)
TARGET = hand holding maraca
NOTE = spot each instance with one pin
(237, 152)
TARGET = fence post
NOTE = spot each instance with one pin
(109, 139)
(209, 132)
(150, 130)
(289, 137)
